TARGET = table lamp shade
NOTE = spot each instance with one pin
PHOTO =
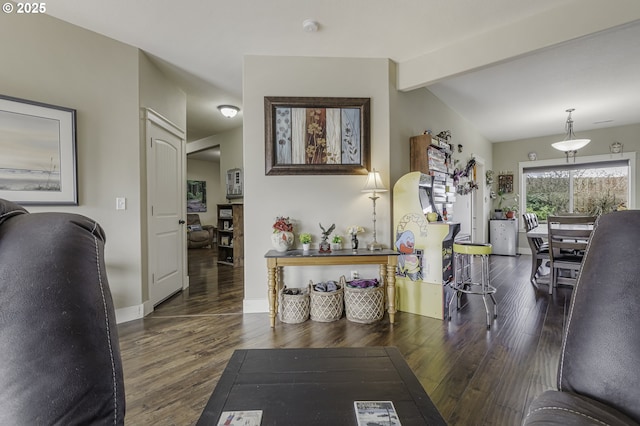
(374, 183)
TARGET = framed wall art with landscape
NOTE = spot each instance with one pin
(308, 135)
(196, 196)
(38, 164)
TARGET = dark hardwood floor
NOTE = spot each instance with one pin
(174, 357)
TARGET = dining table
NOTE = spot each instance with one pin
(542, 230)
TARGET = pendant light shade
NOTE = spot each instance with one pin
(570, 145)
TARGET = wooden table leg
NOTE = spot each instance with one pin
(271, 291)
(383, 282)
(391, 287)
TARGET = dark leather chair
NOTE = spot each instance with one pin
(59, 353)
(199, 235)
(599, 374)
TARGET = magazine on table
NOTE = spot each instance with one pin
(376, 413)
(240, 418)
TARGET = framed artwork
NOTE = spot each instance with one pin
(316, 135)
(38, 164)
(505, 183)
(196, 196)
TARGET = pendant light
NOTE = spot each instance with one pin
(570, 145)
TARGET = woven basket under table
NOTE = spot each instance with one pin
(364, 305)
(326, 306)
(294, 308)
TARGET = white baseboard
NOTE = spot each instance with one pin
(255, 306)
(129, 313)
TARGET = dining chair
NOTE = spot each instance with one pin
(539, 248)
(568, 241)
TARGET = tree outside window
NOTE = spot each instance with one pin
(586, 188)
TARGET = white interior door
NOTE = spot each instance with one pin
(165, 147)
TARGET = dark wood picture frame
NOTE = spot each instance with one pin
(505, 184)
(38, 145)
(315, 136)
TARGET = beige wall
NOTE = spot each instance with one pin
(308, 200)
(420, 110)
(50, 61)
(230, 143)
(208, 171)
(161, 94)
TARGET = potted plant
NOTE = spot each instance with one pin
(507, 205)
(336, 242)
(512, 210)
(305, 239)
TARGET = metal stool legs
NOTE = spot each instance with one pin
(462, 284)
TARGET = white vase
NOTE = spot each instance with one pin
(282, 240)
(306, 246)
(336, 246)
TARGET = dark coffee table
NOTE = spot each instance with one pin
(318, 386)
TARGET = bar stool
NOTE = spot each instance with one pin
(463, 254)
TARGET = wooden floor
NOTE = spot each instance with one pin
(174, 357)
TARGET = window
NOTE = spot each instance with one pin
(593, 187)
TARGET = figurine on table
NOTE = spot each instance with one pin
(325, 247)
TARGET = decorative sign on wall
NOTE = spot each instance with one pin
(196, 196)
(234, 183)
(316, 135)
(505, 184)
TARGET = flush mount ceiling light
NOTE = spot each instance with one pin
(310, 26)
(228, 111)
(570, 145)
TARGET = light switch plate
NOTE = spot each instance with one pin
(121, 203)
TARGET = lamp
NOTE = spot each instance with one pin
(228, 111)
(570, 145)
(374, 185)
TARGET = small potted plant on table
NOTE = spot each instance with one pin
(336, 242)
(305, 239)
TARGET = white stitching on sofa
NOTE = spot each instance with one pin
(569, 411)
(573, 301)
(106, 319)
(11, 212)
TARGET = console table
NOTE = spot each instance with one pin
(276, 261)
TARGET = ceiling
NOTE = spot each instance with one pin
(582, 54)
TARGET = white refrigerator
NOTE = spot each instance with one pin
(503, 235)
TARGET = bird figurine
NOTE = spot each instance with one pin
(325, 247)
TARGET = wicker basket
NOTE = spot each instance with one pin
(294, 308)
(363, 305)
(326, 306)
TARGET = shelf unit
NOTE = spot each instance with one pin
(432, 158)
(230, 234)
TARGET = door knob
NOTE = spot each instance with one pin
(181, 222)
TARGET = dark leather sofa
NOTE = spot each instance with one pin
(599, 372)
(59, 354)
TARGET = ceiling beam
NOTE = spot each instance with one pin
(567, 21)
